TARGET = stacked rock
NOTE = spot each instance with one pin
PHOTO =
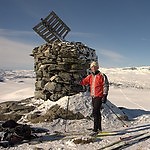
(59, 67)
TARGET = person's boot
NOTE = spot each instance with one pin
(94, 132)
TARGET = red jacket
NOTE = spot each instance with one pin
(99, 84)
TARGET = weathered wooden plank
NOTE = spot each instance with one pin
(63, 36)
(62, 31)
(43, 31)
(57, 26)
(51, 20)
(50, 35)
(59, 29)
(53, 23)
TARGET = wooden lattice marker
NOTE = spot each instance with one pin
(52, 28)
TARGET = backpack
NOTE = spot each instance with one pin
(15, 133)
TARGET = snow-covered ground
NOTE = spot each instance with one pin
(129, 89)
(16, 85)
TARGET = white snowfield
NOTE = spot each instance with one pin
(133, 87)
(129, 90)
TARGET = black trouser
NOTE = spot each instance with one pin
(97, 103)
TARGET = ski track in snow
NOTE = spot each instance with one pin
(129, 99)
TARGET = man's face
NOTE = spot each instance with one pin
(94, 68)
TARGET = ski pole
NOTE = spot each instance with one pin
(66, 115)
(71, 82)
(117, 115)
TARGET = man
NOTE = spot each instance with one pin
(99, 87)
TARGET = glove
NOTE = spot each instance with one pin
(104, 98)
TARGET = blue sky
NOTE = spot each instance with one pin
(119, 30)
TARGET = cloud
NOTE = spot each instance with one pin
(6, 33)
(15, 54)
(15, 48)
(19, 35)
(81, 34)
(111, 55)
(145, 39)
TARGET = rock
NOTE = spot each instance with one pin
(15, 109)
(54, 112)
(83, 140)
(59, 67)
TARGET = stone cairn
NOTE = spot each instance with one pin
(59, 67)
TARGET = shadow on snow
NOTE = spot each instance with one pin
(134, 113)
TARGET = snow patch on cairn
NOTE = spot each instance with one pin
(82, 103)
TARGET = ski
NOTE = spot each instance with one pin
(107, 133)
(93, 134)
(132, 142)
(104, 133)
(122, 140)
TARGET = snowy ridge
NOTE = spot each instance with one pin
(134, 77)
(16, 74)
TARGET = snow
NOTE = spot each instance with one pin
(129, 90)
(16, 89)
